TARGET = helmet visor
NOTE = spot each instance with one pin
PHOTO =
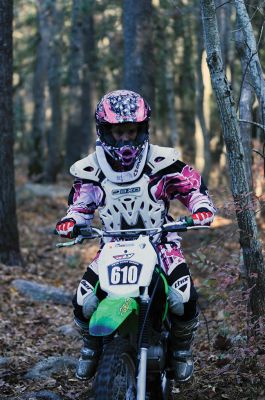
(107, 136)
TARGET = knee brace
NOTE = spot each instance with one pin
(175, 302)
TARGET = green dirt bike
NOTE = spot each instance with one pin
(132, 315)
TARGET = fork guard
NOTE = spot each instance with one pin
(110, 314)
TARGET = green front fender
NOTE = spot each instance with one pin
(110, 314)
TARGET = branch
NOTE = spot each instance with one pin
(259, 153)
(253, 123)
(250, 19)
(223, 4)
(262, 156)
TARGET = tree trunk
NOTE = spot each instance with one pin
(20, 122)
(138, 48)
(74, 132)
(249, 241)
(245, 113)
(88, 88)
(54, 81)
(170, 90)
(171, 107)
(254, 66)
(166, 87)
(36, 164)
(245, 106)
(223, 14)
(186, 92)
(203, 133)
(9, 241)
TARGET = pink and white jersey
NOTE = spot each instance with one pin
(143, 203)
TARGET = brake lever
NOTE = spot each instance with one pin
(77, 240)
(198, 227)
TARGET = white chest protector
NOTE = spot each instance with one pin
(128, 204)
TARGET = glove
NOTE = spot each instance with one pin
(65, 227)
(199, 218)
(202, 218)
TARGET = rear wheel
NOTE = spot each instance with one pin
(115, 379)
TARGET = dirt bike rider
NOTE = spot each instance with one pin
(146, 178)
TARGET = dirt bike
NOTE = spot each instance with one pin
(132, 313)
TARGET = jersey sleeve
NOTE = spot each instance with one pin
(182, 182)
(83, 200)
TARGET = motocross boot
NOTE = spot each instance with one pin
(90, 353)
(181, 337)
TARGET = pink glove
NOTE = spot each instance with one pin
(65, 227)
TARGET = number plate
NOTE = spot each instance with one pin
(124, 273)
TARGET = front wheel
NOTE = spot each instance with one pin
(115, 377)
(158, 387)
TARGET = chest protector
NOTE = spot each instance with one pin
(130, 205)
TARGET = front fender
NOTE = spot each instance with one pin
(110, 314)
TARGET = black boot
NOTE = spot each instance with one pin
(181, 337)
(90, 353)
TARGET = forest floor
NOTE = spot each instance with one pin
(229, 362)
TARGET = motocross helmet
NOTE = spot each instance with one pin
(123, 107)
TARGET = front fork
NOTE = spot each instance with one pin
(142, 370)
(143, 335)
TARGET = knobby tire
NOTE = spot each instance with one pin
(118, 355)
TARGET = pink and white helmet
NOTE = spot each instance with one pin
(119, 107)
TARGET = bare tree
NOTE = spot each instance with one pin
(186, 82)
(253, 62)
(170, 87)
(223, 14)
(138, 56)
(246, 101)
(9, 241)
(89, 69)
(253, 72)
(54, 82)
(249, 240)
(36, 164)
(165, 60)
(74, 131)
(199, 104)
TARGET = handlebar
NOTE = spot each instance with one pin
(83, 232)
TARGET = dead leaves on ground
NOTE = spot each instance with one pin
(224, 369)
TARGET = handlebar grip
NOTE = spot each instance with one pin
(81, 229)
(75, 231)
(177, 228)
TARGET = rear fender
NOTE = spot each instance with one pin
(110, 314)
